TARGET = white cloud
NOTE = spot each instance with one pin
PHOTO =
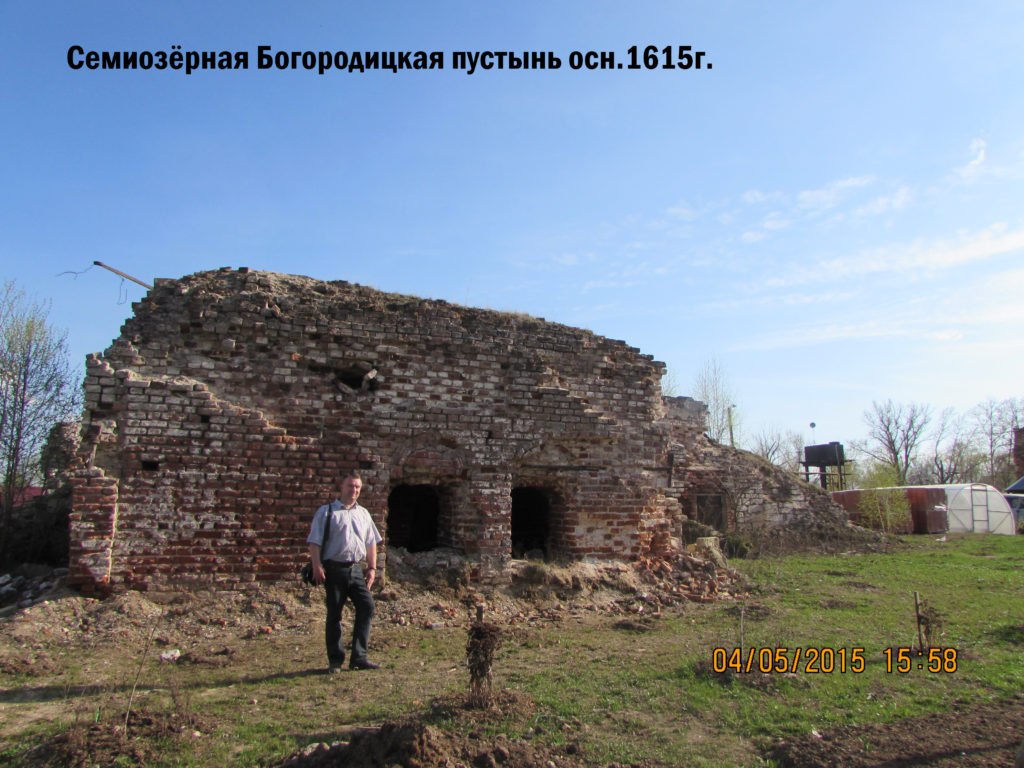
(831, 194)
(951, 334)
(968, 311)
(917, 257)
(757, 197)
(802, 299)
(978, 149)
(775, 220)
(682, 211)
(810, 335)
(810, 204)
(886, 203)
(994, 241)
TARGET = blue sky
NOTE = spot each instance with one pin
(833, 210)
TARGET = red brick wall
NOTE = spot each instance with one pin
(1018, 451)
(231, 405)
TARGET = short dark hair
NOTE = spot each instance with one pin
(354, 474)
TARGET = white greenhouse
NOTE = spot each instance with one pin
(967, 508)
(978, 508)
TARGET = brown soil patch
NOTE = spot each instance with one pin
(977, 736)
(211, 631)
(418, 744)
(85, 745)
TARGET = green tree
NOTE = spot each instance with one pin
(882, 506)
(875, 474)
(38, 388)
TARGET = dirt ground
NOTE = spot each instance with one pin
(972, 737)
(965, 740)
(206, 629)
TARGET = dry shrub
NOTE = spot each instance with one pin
(929, 622)
(484, 640)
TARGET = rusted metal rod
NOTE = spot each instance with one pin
(122, 274)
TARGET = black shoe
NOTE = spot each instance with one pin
(364, 664)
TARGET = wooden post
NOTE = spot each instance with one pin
(743, 610)
(122, 274)
(917, 612)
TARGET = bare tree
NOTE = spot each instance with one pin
(711, 386)
(994, 423)
(988, 423)
(37, 389)
(895, 432)
(783, 449)
(954, 458)
(768, 444)
(670, 384)
(1014, 413)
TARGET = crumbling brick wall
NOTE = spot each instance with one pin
(1018, 451)
(234, 401)
(732, 490)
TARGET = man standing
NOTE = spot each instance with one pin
(350, 536)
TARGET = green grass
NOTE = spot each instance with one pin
(854, 601)
(623, 695)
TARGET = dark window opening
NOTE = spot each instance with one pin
(531, 523)
(150, 466)
(413, 513)
(351, 378)
(711, 510)
(362, 378)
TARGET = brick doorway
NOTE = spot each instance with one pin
(531, 523)
(414, 513)
(711, 510)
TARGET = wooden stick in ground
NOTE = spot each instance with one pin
(917, 612)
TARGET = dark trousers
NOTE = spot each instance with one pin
(347, 583)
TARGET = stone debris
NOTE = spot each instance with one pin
(200, 627)
(28, 585)
(692, 578)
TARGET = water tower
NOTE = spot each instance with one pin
(829, 460)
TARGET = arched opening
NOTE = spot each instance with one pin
(711, 510)
(413, 514)
(531, 523)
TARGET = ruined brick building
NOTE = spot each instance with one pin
(233, 401)
(1018, 451)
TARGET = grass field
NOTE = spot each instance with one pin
(627, 690)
